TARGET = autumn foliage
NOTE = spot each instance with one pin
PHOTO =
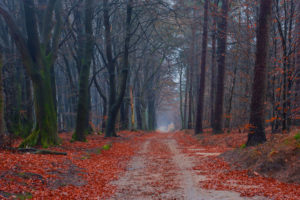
(85, 173)
(222, 176)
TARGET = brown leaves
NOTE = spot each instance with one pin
(97, 170)
(220, 176)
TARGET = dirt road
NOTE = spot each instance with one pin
(162, 170)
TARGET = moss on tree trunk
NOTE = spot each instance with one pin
(45, 131)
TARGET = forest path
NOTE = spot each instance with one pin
(161, 170)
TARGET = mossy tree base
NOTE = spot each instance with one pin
(45, 132)
(36, 139)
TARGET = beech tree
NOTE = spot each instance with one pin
(105, 66)
(82, 122)
(115, 97)
(39, 53)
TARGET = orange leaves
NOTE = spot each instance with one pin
(221, 176)
(271, 120)
(93, 169)
(278, 90)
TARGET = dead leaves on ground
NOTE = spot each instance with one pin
(85, 173)
(220, 176)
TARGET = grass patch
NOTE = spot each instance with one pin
(106, 146)
(297, 137)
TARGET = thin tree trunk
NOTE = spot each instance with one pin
(180, 97)
(297, 71)
(1, 105)
(213, 79)
(131, 108)
(191, 75)
(228, 113)
(185, 99)
(138, 105)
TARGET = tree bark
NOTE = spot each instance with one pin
(297, 71)
(199, 118)
(221, 53)
(257, 112)
(38, 58)
(115, 102)
(191, 76)
(2, 142)
(82, 121)
(213, 65)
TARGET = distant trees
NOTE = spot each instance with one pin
(152, 62)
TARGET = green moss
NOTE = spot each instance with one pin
(287, 142)
(98, 151)
(99, 133)
(88, 156)
(243, 146)
(297, 137)
(31, 140)
(21, 196)
(106, 146)
(76, 137)
(45, 132)
(24, 196)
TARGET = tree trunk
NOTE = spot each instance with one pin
(297, 71)
(2, 142)
(213, 64)
(199, 118)
(228, 113)
(104, 99)
(45, 131)
(138, 105)
(185, 100)
(221, 51)
(180, 98)
(82, 122)
(132, 108)
(124, 112)
(257, 112)
(191, 75)
(37, 60)
(115, 102)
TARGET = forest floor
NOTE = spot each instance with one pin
(136, 165)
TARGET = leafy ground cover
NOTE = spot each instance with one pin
(139, 165)
(223, 176)
(85, 172)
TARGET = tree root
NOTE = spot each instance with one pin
(39, 151)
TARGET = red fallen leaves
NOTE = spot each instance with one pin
(220, 176)
(96, 169)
